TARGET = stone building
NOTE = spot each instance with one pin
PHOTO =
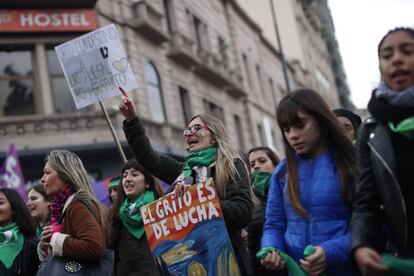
(189, 57)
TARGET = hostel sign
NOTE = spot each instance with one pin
(49, 20)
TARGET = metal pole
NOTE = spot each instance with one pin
(282, 57)
(118, 144)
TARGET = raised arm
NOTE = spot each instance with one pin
(159, 165)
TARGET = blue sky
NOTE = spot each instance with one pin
(359, 25)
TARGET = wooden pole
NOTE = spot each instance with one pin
(108, 120)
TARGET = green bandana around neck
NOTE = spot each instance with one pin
(405, 128)
(131, 216)
(261, 182)
(11, 244)
(204, 157)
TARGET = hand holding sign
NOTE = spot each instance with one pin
(126, 106)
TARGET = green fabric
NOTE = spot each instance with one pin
(398, 266)
(114, 183)
(261, 181)
(405, 128)
(292, 266)
(11, 243)
(39, 230)
(204, 157)
(131, 216)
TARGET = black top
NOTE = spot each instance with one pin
(404, 152)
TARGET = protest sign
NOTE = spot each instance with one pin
(187, 235)
(11, 175)
(95, 65)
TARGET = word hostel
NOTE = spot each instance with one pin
(53, 19)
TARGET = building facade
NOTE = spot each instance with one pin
(189, 57)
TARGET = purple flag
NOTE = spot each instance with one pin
(11, 175)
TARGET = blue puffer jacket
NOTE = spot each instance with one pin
(320, 195)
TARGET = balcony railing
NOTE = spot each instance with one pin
(148, 22)
(182, 50)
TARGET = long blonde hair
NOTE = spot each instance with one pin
(71, 171)
(226, 153)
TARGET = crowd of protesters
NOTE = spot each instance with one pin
(340, 203)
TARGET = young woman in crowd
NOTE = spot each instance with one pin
(76, 224)
(38, 203)
(309, 200)
(127, 236)
(210, 154)
(17, 236)
(262, 161)
(385, 151)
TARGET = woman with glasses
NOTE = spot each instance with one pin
(210, 155)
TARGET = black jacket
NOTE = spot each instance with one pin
(378, 197)
(236, 207)
(133, 256)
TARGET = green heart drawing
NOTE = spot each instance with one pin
(121, 65)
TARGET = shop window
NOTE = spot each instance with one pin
(154, 92)
(239, 131)
(215, 110)
(63, 101)
(16, 83)
(185, 104)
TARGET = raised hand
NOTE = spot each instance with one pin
(126, 106)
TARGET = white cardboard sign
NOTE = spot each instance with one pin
(95, 65)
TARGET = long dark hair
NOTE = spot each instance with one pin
(21, 214)
(41, 190)
(336, 141)
(114, 222)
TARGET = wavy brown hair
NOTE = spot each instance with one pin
(336, 141)
(113, 220)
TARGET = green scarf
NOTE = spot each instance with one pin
(11, 243)
(261, 181)
(39, 230)
(204, 157)
(292, 266)
(397, 265)
(405, 128)
(131, 216)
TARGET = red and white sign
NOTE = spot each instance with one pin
(50, 20)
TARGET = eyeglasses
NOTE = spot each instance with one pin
(193, 129)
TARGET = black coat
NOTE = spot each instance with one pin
(378, 197)
(254, 235)
(133, 256)
(236, 207)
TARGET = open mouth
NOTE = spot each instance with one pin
(400, 74)
(192, 142)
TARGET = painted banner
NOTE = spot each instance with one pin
(95, 65)
(48, 20)
(11, 175)
(188, 236)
